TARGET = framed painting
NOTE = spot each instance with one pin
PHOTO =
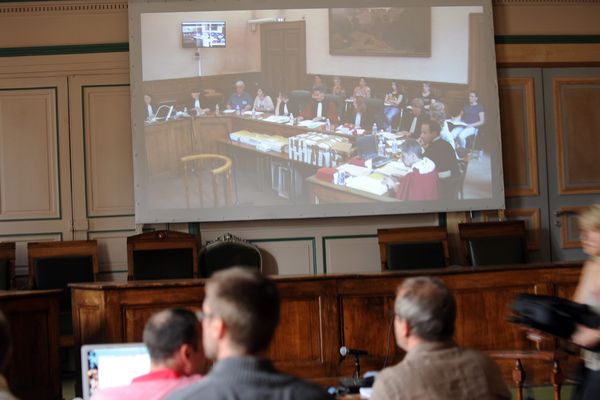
(380, 31)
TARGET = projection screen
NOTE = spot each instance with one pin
(244, 110)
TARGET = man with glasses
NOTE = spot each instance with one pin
(239, 316)
(434, 367)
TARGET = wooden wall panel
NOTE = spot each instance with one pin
(532, 218)
(569, 227)
(519, 146)
(112, 250)
(577, 122)
(347, 254)
(29, 171)
(287, 256)
(108, 137)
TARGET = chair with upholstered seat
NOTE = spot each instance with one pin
(228, 251)
(494, 243)
(413, 248)
(53, 265)
(162, 255)
(7, 265)
(211, 176)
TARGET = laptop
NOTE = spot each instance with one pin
(367, 150)
(110, 365)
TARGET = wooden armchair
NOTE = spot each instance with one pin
(413, 248)
(53, 265)
(494, 243)
(162, 255)
(7, 265)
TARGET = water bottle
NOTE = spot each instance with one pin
(327, 125)
(253, 113)
(374, 130)
(341, 178)
(217, 112)
(237, 110)
(394, 146)
(291, 119)
(381, 147)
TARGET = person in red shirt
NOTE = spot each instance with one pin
(174, 341)
(422, 182)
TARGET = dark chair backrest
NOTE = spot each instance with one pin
(299, 98)
(413, 248)
(375, 108)
(494, 243)
(162, 255)
(228, 251)
(7, 265)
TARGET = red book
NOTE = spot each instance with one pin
(326, 174)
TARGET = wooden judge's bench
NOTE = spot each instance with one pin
(321, 313)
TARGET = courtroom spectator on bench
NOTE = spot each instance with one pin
(337, 89)
(434, 368)
(239, 316)
(471, 117)
(421, 183)
(319, 84)
(393, 101)
(5, 349)
(240, 98)
(263, 102)
(362, 89)
(319, 108)
(174, 340)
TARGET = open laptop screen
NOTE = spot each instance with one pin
(110, 365)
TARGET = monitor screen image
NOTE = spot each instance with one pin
(274, 125)
(204, 34)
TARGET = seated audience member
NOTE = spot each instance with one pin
(174, 341)
(392, 105)
(240, 313)
(444, 157)
(434, 368)
(359, 115)
(362, 89)
(422, 182)
(319, 108)
(426, 96)
(263, 102)
(149, 111)
(198, 110)
(284, 106)
(319, 84)
(5, 348)
(413, 117)
(338, 89)
(438, 114)
(473, 116)
(240, 98)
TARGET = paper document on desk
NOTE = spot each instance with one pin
(249, 113)
(368, 184)
(394, 168)
(311, 124)
(278, 119)
(354, 170)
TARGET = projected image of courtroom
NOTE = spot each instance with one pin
(388, 108)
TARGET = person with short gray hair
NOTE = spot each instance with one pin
(434, 368)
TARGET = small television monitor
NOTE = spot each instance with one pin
(203, 34)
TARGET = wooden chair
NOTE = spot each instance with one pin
(7, 265)
(218, 172)
(494, 243)
(53, 265)
(162, 255)
(228, 251)
(552, 358)
(413, 248)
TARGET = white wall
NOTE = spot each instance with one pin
(164, 58)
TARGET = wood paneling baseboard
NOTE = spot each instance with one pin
(321, 313)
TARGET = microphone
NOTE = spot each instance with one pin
(344, 351)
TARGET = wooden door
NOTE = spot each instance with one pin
(35, 178)
(571, 100)
(283, 59)
(102, 166)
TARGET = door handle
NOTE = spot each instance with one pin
(563, 213)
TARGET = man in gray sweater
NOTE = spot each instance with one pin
(239, 316)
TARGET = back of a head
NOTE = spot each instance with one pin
(5, 341)
(168, 330)
(428, 306)
(248, 303)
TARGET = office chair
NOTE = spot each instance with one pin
(228, 251)
(494, 243)
(7, 265)
(162, 255)
(413, 248)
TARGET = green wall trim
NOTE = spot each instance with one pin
(547, 39)
(64, 49)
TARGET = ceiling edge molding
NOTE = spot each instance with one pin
(61, 7)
